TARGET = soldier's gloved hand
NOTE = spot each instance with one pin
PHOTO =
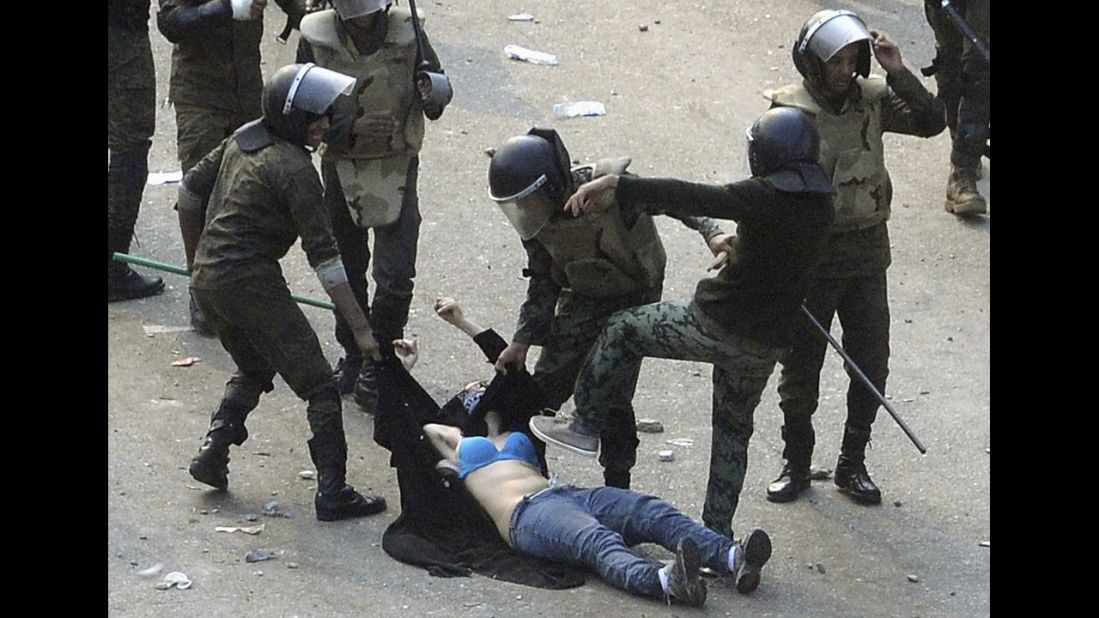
(515, 353)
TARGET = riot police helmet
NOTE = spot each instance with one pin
(529, 179)
(824, 34)
(350, 9)
(784, 148)
(299, 94)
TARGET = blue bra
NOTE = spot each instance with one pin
(476, 452)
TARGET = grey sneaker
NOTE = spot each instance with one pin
(685, 586)
(754, 552)
(566, 436)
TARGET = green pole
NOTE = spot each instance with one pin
(176, 270)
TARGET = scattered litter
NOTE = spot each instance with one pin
(491, 152)
(650, 426)
(186, 361)
(820, 568)
(915, 579)
(175, 578)
(259, 555)
(307, 475)
(907, 400)
(643, 27)
(925, 392)
(157, 329)
(579, 108)
(253, 530)
(163, 178)
(153, 570)
(666, 455)
(989, 450)
(473, 604)
(521, 17)
(817, 473)
(987, 544)
(292, 565)
(898, 503)
(529, 55)
(273, 509)
(680, 442)
(251, 517)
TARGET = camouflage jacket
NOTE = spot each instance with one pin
(758, 293)
(258, 204)
(603, 256)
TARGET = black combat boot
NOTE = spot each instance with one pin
(347, 374)
(211, 464)
(797, 455)
(851, 476)
(123, 282)
(335, 499)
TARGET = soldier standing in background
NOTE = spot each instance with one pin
(965, 84)
(131, 116)
(370, 165)
(851, 111)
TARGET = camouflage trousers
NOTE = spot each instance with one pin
(394, 257)
(670, 330)
(200, 129)
(862, 304)
(576, 326)
(131, 120)
(265, 332)
(963, 77)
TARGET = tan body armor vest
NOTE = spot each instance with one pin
(851, 151)
(372, 174)
(596, 255)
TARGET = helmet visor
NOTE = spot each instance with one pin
(315, 89)
(528, 214)
(350, 9)
(832, 34)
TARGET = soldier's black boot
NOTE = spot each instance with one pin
(335, 499)
(797, 455)
(123, 282)
(851, 476)
(127, 171)
(211, 464)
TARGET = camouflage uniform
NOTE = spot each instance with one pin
(739, 320)
(131, 116)
(259, 203)
(850, 280)
(370, 184)
(565, 315)
(964, 78)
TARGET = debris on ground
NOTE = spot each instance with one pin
(153, 570)
(817, 473)
(680, 442)
(987, 544)
(259, 555)
(532, 56)
(579, 108)
(915, 579)
(650, 426)
(521, 17)
(666, 455)
(820, 568)
(177, 579)
(186, 361)
(253, 530)
(273, 509)
(307, 475)
(163, 178)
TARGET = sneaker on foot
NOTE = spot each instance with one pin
(566, 436)
(754, 551)
(685, 586)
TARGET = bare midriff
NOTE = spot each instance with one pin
(500, 486)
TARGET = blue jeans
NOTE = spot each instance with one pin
(596, 527)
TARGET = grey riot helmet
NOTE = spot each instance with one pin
(297, 95)
(350, 9)
(529, 179)
(784, 148)
(824, 34)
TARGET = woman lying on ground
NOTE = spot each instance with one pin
(587, 527)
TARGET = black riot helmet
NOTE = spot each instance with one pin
(529, 179)
(824, 34)
(297, 95)
(784, 148)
